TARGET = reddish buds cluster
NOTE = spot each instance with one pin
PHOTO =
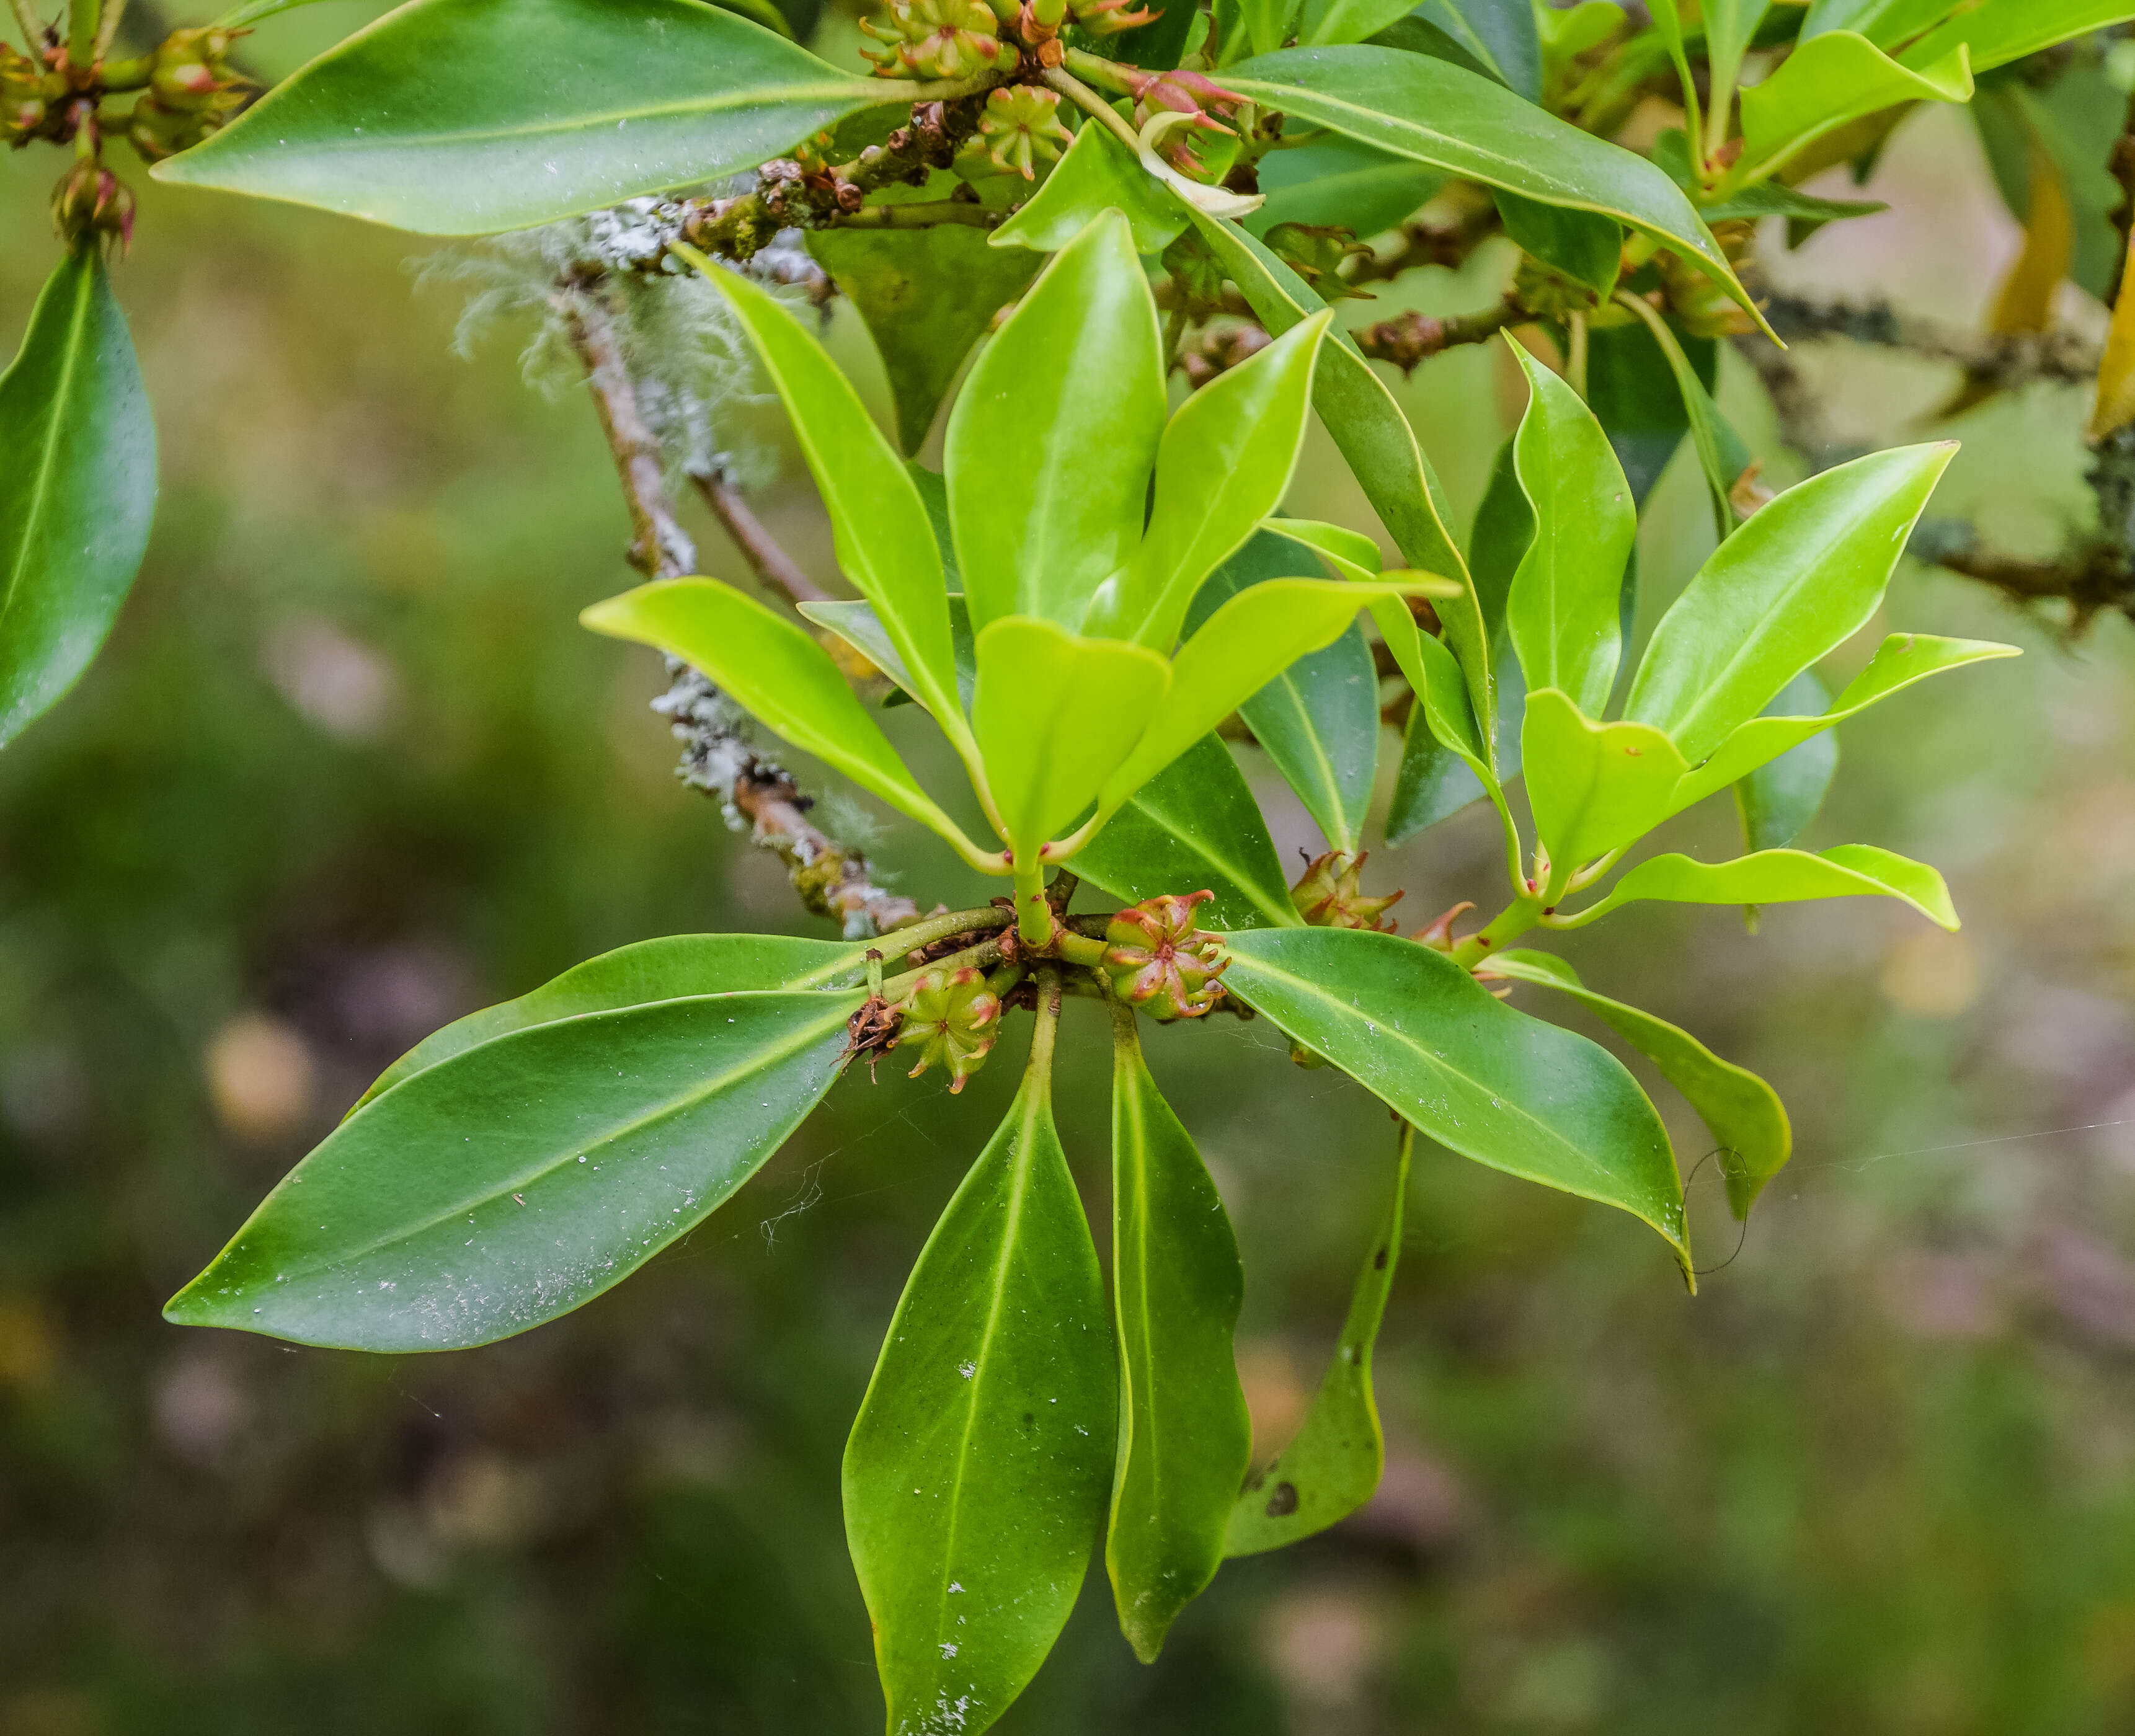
(1160, 963)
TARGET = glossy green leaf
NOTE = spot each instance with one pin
(775, 672)
(1481, 1078)
(1194, 826)
(1097, 174)
(1333, 1463)
(976, 1477)
(1777, 801)
(1053, 438)
(1899, 661)
(879, 527)
(1742, 1112)
(933, 489)
(1469, 125)
(1884, 22)
(1729, 26)
(925, 295)
(77, 488)
(1318, 719)
(1836, 78)
(1560, 612)
(1185, 1437)
(1242, 647)
(1374, 439)
(1594, 787)
(466, 117)
(673, 967)
(1442, 768)
(1997, 31)
(1266, 22)
(1782, 877)
(1721, 453)
(1164, 42)
(1585, 247)
(1496, 36)
(854, 620)
(1224, 465)
(516, 1180)
(1636, 399)
(1326, 21)
(1056, 716)
(1799, 579)
(1336, 181)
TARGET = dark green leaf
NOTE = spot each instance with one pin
(1185, 1437)
(1482, 1079)
(466, 117)
(77, 488)
(927, 296)
(1633, 394)
(1336, 181)
(976, 1478)
(520, 1179)
(1194, 826)
(1779, 800)
(1163, 43)
(1496, 36)
(1334, 1462)
(1721, 453)
(1587, 248)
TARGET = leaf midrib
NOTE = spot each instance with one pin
(48, 459)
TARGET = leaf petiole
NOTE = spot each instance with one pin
(1514, 920)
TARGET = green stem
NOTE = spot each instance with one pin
(1034, 915)
(83, 18)
(107, 31)
(975, 958)
(915, 935)
(33, 31)
(1575, 361)
(1514, 920)
(1048, 1024)
(1100, 71)
(923, 214)
(1080, 949)
(123, 75)
(1095, 106)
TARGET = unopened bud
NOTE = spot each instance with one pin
(1328, 894)
(90, 202)
(1160, 962)
(955, 1017)
(939, 39)
(1108, 17)
(1438, 933)
(1022, 125)
(1316, 252)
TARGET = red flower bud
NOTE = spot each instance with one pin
(1160, 962)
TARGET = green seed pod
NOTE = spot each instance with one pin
(1022, 125)
(91, 201)
(1160, 963)
(955, 1017)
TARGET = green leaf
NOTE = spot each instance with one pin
(1325, 21)
(1729, 26)
(1782, 877)
(1432, 782)
(1334, 1462)
(1882, 22)
(1224, 465)
(1055, 717)
(1185, 1437)
(774, 671)
(1769, 199)
(1469, 125)
(674, 968)
(976, 1477)
(1634, 396)
(1242, 647)
(879, 527)
(1374, 439)
(1484, 1081)
(1827, 82)
(1166, 40)
(1721, 453)
(513, 1181)
(1266, 22)
(1561, 611)
(1594, 787)
(1336, 181)
(1779, 800)
(1497, 36)
(1053, 435)
(927, 296)
(1998, 32)
(1195, 824)
(241, 17)
(77, 488)
(1097, 174)
(1801, 578)
(467, 117)
(1899, 661)
(854, 620)
(1587, 248)
(1318, 720)
(1742, 1112)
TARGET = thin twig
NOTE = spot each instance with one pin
(928, 214)
(1410, 338)
(773, 565)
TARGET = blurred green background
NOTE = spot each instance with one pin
(349, 769)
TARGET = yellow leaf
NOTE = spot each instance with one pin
(2115, 373)
(2027, 301)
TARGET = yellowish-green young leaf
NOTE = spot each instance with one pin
(1594, 787)
(1056, 716)
(1224, 465)
(1375, 440)
(1238, 651)
(1729, 27)
(1097, 174)
(1350, 553)
(1324, 22)
(1836, 78)
(1997, 31)
(1562, 612)
(1053, 435)
(1266, 22)
(854, 620)
(1334, 1462)
(432, 1218)
(1801, 578)
(670, 969)
(925, 295)
(1185, 1437)
(1742, 1112)
(1483, 1079)
(879, 527)
(1194, 826)
(1781, 877)
(1884, 22)
(467, 117)
(77, 488)
(778, 674)
(1899, 661)
(976, 1477)
(2114, 406)
(1438, 113)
